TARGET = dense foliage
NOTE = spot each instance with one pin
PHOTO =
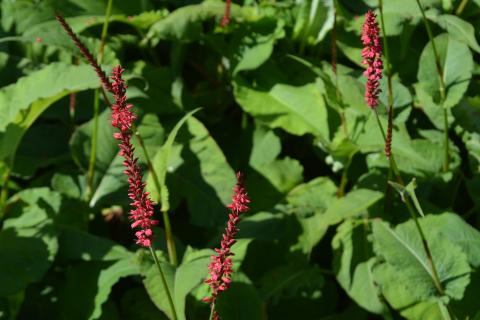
(280, 88)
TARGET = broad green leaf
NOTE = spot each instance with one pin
(296, 109)
(136, 304)
(314, 196)
(241, 301)
(355, 203)
(107, 278)
(204, 177)
(353, 263)
(181, 281)
(253, 44)
(160, 164)
(185, 23)
(458, 29)
(266, 146)
(23, 102)
(419, 157)
(406, 262)
(452, 227)
(80, 245)
(268, 183)
(313, 21)
(290, 281)
(93, 281)
(457, 65)
(28, 242)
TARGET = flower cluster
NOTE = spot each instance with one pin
(123, 118)
(221, 265)
(372, 58)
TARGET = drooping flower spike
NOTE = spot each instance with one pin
(221, 264)
(372, 58)
(85, 52)
(123, 118)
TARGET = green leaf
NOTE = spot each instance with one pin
(241, 301)
(107, 278)
(296, 109)
(185, 23)
(457, 65)
(316, 195)
(93, 281)
(204, 177)
(23, 102)
(181, 281)
(353, 263)
(354, 204)
(452, 227)
(136, 304)
(29, 240)
(290, 281)
(80, 245)
(458, 29)
(108, 172)
(160, 164)
(253, 44)
(314, 19)
(406, 278)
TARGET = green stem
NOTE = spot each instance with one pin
(93, 148)
(212, 311)
(344, 180)
(96, 106)
(396, 171)
(438, 66)
(164, 283)
(172, 252)
(4, 192)
(461, 7)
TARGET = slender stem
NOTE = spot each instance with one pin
(4, 192)
(172, 252)
(212, 311)
(396, 171)
(108, 13)
(96, 106)
(334, 68)
(93, 148)
(344, 180)
(164, 283)
(390, 91)
(439, 68)
(461, 7)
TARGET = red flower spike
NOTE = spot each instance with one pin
(123, 118)
(372, 58)
(226, 16)
(221, 264)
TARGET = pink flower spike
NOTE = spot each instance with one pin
(221, 264)
(122, 118)
(372, 58)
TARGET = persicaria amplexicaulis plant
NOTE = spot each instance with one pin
(372, 58)
(221, 263)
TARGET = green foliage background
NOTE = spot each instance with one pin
(326, 237)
